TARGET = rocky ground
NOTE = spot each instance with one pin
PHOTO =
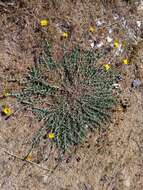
(110, 159)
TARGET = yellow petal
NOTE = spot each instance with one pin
(29, 157)
(65, 34)
(44, 22)
(7, 111)
(125, 61)
(106, 67)
(91, 29)
(51, 135)
(116, 44)
(6, 93)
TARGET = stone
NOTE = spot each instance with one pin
(136, 83)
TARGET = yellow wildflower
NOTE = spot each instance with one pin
(65, 35)
(29, 157)
(7, 111)
(6, 93)
(116, 44)
(125, 61)
(51, 135)
(91, 29)
(43, 22)
(106, 67)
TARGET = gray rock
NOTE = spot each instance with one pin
(136, 83)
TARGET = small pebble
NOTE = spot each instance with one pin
(136, 83)
(119, 77)
(99, 45)
(109, 39)
(120, 48)
(116, 85)
(99, 23)
(110, 30)
(92, 44)
(115, 16)
(86, 126)
(139, 23)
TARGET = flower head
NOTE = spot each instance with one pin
(116, 44)
(43, 22)
(65, 35)
(91, 29)
(29, 157)
(106, 67)
(51, 135)
(125, 61)
(6, 111)
(6, 93)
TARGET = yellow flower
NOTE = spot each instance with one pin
(125, 61)
(51, 135)
(91, 29)
(6, 93)
(29, 157)
(106, 67)
(43, 22)
(7, 111)
(65, 35)
(116, 44)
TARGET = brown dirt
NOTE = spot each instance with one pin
(110, 159)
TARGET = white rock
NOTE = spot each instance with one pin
(99, 23)
(115, 16)
(120, 48)
(110, 30)
(92, 44)
(100, 44)
(136, 83)
(86, 126)
(139, 23)
(109, 39)
(116, 85)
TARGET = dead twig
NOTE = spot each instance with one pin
(30, 162)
